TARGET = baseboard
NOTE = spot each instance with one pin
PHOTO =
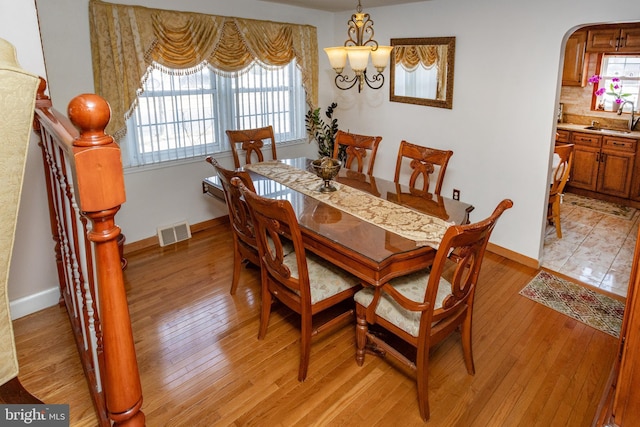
(153, 241)
(36, 302)
(513, 256)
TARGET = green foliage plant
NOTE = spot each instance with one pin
(322, 132)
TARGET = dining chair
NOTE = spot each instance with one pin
(425, 307)
(422, 161)
(245, 246)
(301, 280)
(251, 141)
(559, 180)
(355, 148)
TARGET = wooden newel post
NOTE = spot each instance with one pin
(100, 193)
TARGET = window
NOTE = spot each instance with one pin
(626, 68)
(181, 114)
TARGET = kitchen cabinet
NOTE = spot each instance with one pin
(574, 68)
(586, 159)
(563, 136)
(604, 164)
(620, 38)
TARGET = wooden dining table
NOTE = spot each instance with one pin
(373, 253)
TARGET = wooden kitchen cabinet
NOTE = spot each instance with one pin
(616, 166)
(563, 136)
(604, 164)
(611, 39)
(586, 157)
(574, 68)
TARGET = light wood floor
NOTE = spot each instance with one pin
(202, 365)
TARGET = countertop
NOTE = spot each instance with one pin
(581, 128)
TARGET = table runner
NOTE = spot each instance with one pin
(424, 229)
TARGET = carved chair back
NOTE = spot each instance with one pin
(252, 142)
(423, 162)
(358, 148)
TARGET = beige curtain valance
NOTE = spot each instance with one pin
(126, 40)
(411, 56)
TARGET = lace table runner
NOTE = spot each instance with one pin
(424, 229)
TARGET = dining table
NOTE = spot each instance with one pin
(372, 227)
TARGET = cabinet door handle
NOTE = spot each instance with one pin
(619, 144)
(603, 157)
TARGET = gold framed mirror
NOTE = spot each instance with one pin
(422, 71)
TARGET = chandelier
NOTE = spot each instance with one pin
(357, 50)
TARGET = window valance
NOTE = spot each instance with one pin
(126, 40)
(411, 56)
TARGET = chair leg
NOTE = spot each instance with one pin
(361, 333)
(265, 311)
(556, 218)
(237, 262)
(422, 381)
(305, 345)
(467, 348)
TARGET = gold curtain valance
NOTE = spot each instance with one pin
(413, 55)
(126, 40)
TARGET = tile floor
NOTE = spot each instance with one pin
(595, 248)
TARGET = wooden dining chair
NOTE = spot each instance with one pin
(424, 308)
(423, 162)
(245, 246)
(300, 280)
(559, 180)
(359, 148)
(252, 142)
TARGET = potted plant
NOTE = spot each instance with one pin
(615, 90)
(322, 132)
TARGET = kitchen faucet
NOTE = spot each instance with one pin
(632, 122)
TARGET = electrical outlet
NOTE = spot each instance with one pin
(456, 194)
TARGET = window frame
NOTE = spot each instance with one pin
(285, 100)
(599, 103)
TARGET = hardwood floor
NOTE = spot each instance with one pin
(201, 363)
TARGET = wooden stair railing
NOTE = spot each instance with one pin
(85, 188)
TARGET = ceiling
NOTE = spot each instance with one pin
(341, 5)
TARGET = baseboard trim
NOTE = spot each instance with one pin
(513, 256)
(32, 303)
(153, 241)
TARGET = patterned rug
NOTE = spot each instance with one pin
(599, 205)
(585, 305)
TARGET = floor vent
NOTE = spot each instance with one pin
(174, 233)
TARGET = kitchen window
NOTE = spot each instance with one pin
(183, 114)
(627, 69)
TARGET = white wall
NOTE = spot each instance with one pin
(507, 73)
(502, 146)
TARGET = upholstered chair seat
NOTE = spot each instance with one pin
(413, 287)
(325, 279)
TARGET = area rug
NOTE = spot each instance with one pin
(599, 205)
(585, 305)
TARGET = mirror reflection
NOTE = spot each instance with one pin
(422, 71)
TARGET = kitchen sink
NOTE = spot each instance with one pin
(606, 129)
